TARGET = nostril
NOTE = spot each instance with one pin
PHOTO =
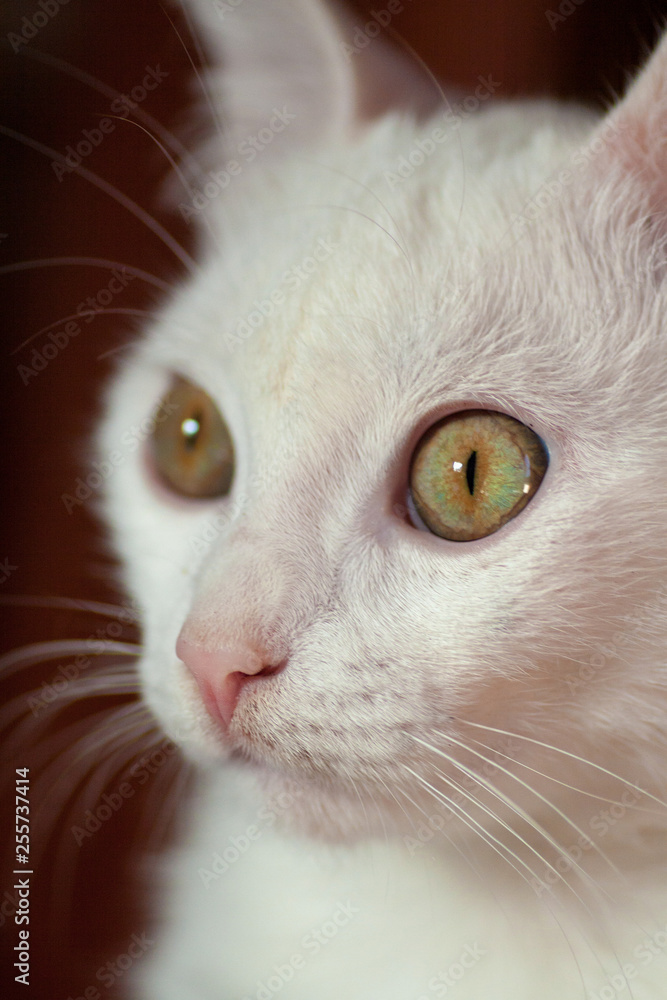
(222, 672)
(270, 669)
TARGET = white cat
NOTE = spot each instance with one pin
(422, 673)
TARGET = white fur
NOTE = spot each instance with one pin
(435, 294)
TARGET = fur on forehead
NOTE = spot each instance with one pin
(407, 279)
(450, 243)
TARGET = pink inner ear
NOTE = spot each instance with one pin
(636, 131)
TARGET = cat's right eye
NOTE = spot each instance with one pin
(191, 446)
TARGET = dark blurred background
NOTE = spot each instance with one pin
(584, 50)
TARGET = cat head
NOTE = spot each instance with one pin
(369, 272)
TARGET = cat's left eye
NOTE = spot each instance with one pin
(191, 446)
(473, 472)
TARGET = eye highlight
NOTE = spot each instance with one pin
(473, 472)
(191, 447)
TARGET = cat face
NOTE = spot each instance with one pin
(307, 621)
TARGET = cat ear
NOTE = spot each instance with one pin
(635, 132)
(300, 68)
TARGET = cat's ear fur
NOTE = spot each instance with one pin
(305, 59)
(634, 133)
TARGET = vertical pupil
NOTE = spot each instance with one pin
(470, 471)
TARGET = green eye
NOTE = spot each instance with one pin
(191, 446)
(473, 472)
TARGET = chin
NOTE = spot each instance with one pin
(324, 810)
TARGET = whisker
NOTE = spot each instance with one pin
(538, 828)
(443, 97)
(355, 180)
(586, 878)
(572, 788)
(368, 218)
(115, 311)
(484, 834)
(521, 812)
(29, 265)
(26, 731)
(548, 902)
(572, 756)
(400, 40)
(114, 730)
(115, 350)
(113, 192)
(450, 840)
(59, 769)
(179, 173)
(131, 736)
(180, 777)
(215, 116)
(394, 797)
(493, 815)
(40, 652)
(167, 137)
(70, 603)
(474, 826)
(114, 680)
(358, 794)
(172, 162)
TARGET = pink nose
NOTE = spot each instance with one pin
(221, 673)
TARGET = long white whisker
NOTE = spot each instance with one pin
(475, 826)
(507, 801)
(361, 800)
(167, 137)
(521, 812)
(573, 864)
(179, 173)
(109, 265)
(61, 769)
(422, 64)
(40, 652)
(365, 187)
(391, 793)
(215, 115)
(112, 681)
(487, 836)
(450, 840)
(180, 777)
(132, 735)
(114, 311)
(368, 218)
(443, 96)
(113, 192)
(172, 163)
(572, 756)
(71, 603)
(565, 784)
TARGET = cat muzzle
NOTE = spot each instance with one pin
(221, 674)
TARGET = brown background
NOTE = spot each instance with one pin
(44, 424)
